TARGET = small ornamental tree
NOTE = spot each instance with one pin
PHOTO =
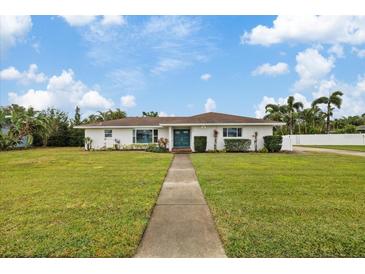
(162, 142)
(273, 143)
(215, 134)
(88, 143)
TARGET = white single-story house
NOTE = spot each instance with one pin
(180, 131)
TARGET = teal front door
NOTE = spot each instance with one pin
(181, 137)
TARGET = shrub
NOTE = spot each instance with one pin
(116, 144)
(155, 148)
(88, 143)
(273, 143)
(347, 129)
(237, 145)
(134, 147)
(263, 150)
(200, 143)
(162, 142)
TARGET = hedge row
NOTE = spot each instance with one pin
(237, 145)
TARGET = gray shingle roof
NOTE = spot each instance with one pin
(205, 118)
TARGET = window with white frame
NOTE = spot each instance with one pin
(155, 135)
(108, 133)
(145, 136)
(232, 132)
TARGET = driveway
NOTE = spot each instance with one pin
(181, 224)
(328, 150)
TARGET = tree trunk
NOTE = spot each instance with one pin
(45, 141)
(328, 118)
(291, 124)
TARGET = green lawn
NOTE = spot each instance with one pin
(352, 148)
(70, 203)
(286, 205)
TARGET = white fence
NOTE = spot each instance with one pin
(322, 139)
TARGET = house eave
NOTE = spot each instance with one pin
(226, 124)
(99, 127)
(183, 125)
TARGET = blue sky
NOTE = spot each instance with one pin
(181, 65)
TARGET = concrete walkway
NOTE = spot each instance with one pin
(329, 150)
(181, 225)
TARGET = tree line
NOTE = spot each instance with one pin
(316, 119)
(20, 126)
(25, 127)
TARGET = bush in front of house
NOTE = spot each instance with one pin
(200, 143)
(237, 145)
(273, 143)
(156, 148)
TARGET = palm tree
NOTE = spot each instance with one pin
(292, 108)
(117, 114)
(150, 114)
(19, 124)
(305, 117)
(276, 113)
(284, 113)
(333, 100)
(108, 115)
(312, 119)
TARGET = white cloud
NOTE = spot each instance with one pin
(36, 46)
(128, 79)
(353, 99)
(128, 101)
(171, 42)
(273, 70)
(168, 64)
(210, 105)
(325, 87)
(311, 67)
(25, 77)
(175, 42)
(93, 99)
(10, 73)
(39, 99)
(309, 29)
(109, 20)
(164, 114)
(260, 108)
(178, 26)
(85, 20)
(337, 50)
(359, 52)
(79, 20)
(63, 92)
(361, 85)
(206, 76)
(13, 29)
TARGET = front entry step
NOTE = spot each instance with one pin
(181, 150)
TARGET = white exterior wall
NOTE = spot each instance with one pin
(125, 135)
(326, 139)
(286, 145)
(247, 133)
